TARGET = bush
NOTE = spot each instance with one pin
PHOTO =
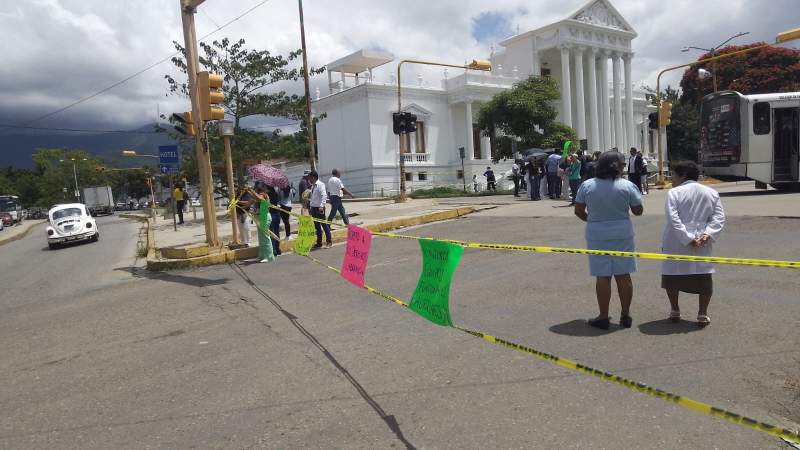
(444, 192)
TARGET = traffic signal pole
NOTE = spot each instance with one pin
(795, 34)
(475, 65)
(188, 8)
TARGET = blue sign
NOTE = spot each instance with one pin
(168, 160)
(168, 155)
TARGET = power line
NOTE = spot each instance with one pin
(126, 79)
(75, 130)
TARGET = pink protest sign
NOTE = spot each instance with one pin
(354, 264)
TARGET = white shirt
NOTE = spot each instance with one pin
(335, 186)
(318, 195)
(691, 210)
(632, 164)
(515, 169)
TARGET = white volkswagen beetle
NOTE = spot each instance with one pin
(70, 223)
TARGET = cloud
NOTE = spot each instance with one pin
(66, 49)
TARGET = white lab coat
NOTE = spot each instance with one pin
(691, 210)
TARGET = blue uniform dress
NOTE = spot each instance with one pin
(609, 224)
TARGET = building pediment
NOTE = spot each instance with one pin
(417, 110)
(601, 13)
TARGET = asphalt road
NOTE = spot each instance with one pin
(287, 355)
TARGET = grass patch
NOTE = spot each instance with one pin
(444, 192)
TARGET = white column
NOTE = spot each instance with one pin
(619, 141)
(629, 99)
(604, 97)
(470, 145)
(646, 135)
(594, 125)
(330, 83)
(344, 82)
(486, 147)
(566, 100)
(579, 99)
(537, 65)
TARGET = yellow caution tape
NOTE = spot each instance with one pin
(685, 402)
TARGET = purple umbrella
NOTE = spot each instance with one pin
(268, 175)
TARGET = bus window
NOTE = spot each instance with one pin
(761, 118)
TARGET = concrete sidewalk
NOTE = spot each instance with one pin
(19, 231)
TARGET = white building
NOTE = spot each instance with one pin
(579, 52)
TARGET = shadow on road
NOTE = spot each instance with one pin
(580, 328)
(664, 327)
(139, 272)
(390, 420)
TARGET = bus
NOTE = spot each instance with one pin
(11, 205)
(752, 137)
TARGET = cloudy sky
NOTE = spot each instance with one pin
(59, 51)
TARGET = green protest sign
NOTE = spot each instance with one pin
(306, 236)
(431, 298)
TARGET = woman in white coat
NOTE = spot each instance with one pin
(694, 220)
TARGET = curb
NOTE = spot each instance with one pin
(22, 234)
(225, 256)
(151, 239)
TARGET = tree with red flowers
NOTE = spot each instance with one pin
(767, 70)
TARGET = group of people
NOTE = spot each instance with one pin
(314, 195)
(546, 176)
(694, 220)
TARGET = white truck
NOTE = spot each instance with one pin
(99, 200)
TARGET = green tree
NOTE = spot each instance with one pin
(526, 112)
(247, 74)
(770, 69)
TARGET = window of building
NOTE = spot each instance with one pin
(409, 176)
(476, 141)
(422, 176)
(761, 118)
(405, 143)
(420, 137)
(545, 72)
(459, 174)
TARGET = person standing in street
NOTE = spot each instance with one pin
(285, 205)
(695, 219)
(274, 196)
(574, 175)
(319, 196)
(180, 202)
(475, 182)
(603, 203)
(490, 180)
(553, 180)
(635, 164)
(336, 190)
(243, 205)
(515, 176)
(265, 247)
(302, 186)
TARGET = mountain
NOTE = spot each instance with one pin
(16, 148)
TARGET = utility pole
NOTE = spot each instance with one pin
(188, 9)
(312, 155)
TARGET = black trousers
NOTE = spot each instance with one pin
(319, 213)
(553, 185)
(636, 179)
(516, 186)
(179, 206)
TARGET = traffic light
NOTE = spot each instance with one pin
(480, 64)
(404, 122)
(100, 169)
(653, 121)
(210, 94)
(666, 114)
(410, 121)
(184, 124)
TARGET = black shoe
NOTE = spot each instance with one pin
(603, 324)
(316, 247)
(626, 321)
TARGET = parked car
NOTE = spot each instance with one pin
(37, 213)
(70, 223)
(7, 219)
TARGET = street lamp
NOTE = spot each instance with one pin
(712, 52)
(226, 130)
(785, 36)
(75, 175)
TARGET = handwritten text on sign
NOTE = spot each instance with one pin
(306, 236)
(431, 298)
(354, 264)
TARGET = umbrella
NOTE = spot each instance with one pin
(539, 154)
(268, 175)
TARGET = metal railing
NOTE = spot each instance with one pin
(416, 157)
